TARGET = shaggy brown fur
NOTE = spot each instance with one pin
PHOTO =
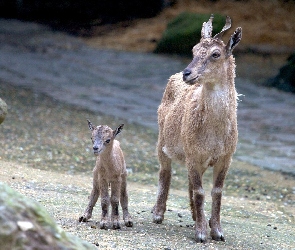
(198, 126)
(110, 169)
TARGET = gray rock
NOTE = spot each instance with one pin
(3, 110)
(285, 79)
(24, 224)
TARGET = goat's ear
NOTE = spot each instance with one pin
(233, 41)
(118, 130)
(90, 125)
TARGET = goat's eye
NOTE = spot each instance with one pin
(216, 55)
(108, 141)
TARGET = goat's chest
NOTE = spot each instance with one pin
(209, 127)
(109, 171)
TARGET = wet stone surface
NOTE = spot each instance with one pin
(130, 85)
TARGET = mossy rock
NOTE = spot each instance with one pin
(184, 32)
(3, 110)
(24, 224)
(285, 80)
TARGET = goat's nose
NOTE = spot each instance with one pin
(185, 73)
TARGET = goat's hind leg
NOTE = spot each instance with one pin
(163, 187)
(219, 174)
(92, 199)
(124, 202)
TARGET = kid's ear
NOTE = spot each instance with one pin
(118, 130)
(233, 41)
(90, 125)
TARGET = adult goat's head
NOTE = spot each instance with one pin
(211, 53)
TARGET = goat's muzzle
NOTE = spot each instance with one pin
(95, 150)
(186, 73)
(187, 76)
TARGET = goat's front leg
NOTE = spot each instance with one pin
(197, 203)
(93, 197)
(219, 174)
(115, 196)
(190, 195)
(105, 202)
(124, 202)
(163, 187)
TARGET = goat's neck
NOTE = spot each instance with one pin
(219, 97)
(106, 154)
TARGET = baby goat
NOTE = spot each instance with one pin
(198, 126)
(110, 169)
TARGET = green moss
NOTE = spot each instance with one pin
(16, 207)
(184, 32)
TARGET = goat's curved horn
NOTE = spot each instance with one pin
(225, 28)
(207, 28)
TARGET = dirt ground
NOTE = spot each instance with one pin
(46, 156)
(248, 223)
(266, 24)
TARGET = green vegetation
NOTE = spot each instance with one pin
(184, 32)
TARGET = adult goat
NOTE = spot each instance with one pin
(198, 126)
